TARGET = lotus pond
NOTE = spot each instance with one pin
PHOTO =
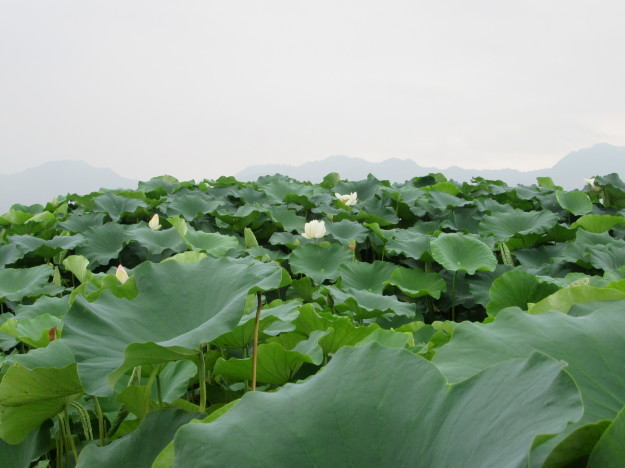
(347, 323)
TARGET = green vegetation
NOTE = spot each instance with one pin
(424, 324)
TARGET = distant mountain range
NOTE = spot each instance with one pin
(569, 172)
(42, 183)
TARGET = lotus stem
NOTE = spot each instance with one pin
(68, 435)
(202, 378)
(453, 297)
(255, 348)
(121, 415)
(159, 392)
(98, 411)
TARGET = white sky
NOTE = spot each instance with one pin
(204, 88)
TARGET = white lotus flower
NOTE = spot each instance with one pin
(154, 223)
(314, 230)
(348, 199)
(590, 181)
(121, 274)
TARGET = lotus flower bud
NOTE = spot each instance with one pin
(154, 223)
(314, 230)
(121, 274)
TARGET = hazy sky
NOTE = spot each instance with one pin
(204, 88)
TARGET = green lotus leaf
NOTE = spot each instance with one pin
(276, 365)
(457, 252)
(365, 305)
(343, 417)
(609, 450)
(417, 283)
(190, 205)
(140, 448)
(343, 332)
(375, 210)
(18, 283)
(103, 243)
(34, 445)
(35, 332)
(212, 243)
(77, 264)
(514, 223)
(517, 289)
(409, 243)
(598, 223)
(566, 298)
(346, 231)
(185, 305)
(370, 277)
(575, 201)
(80, 222)
(28, 397)
(289, 220)
(591, 345)
(441, 201)
(156, 241)
(116, 205)
(366, 188)
(607, 257)
(317, 262)
(46, 248)
(243, 334)
(9, 253)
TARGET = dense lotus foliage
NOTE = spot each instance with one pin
(347, 323)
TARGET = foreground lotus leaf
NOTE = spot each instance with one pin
(361, 411)
(592, 345)
(184, 304)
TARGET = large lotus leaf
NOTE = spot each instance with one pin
(366, 188)
(156, 241)
(441, 201)
(243, 333)
(566, 298)
(457, 252)
(610, 451)
(189, 205)
(21, 455)
(366, 276)
(317, 262)
(365, 304)
(286, 218)
(212, 243)
(141, 447)
(592, 346)
(9, 253)
(103, 243)
(343, 332)
(417, 283)
(116, 205)
(406, 416)
(46, 248)
(178, 308)
(28, 397)
(409, 243)
(18, 283)
(346, 231)
(276, 364)
(607, 257)
(575, 201)
(80, 222)
(511, 223)
(517, 288)
(598, 223)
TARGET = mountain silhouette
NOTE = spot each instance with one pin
(42, 183)
(569, 172)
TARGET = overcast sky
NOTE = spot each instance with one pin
(204, 88)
